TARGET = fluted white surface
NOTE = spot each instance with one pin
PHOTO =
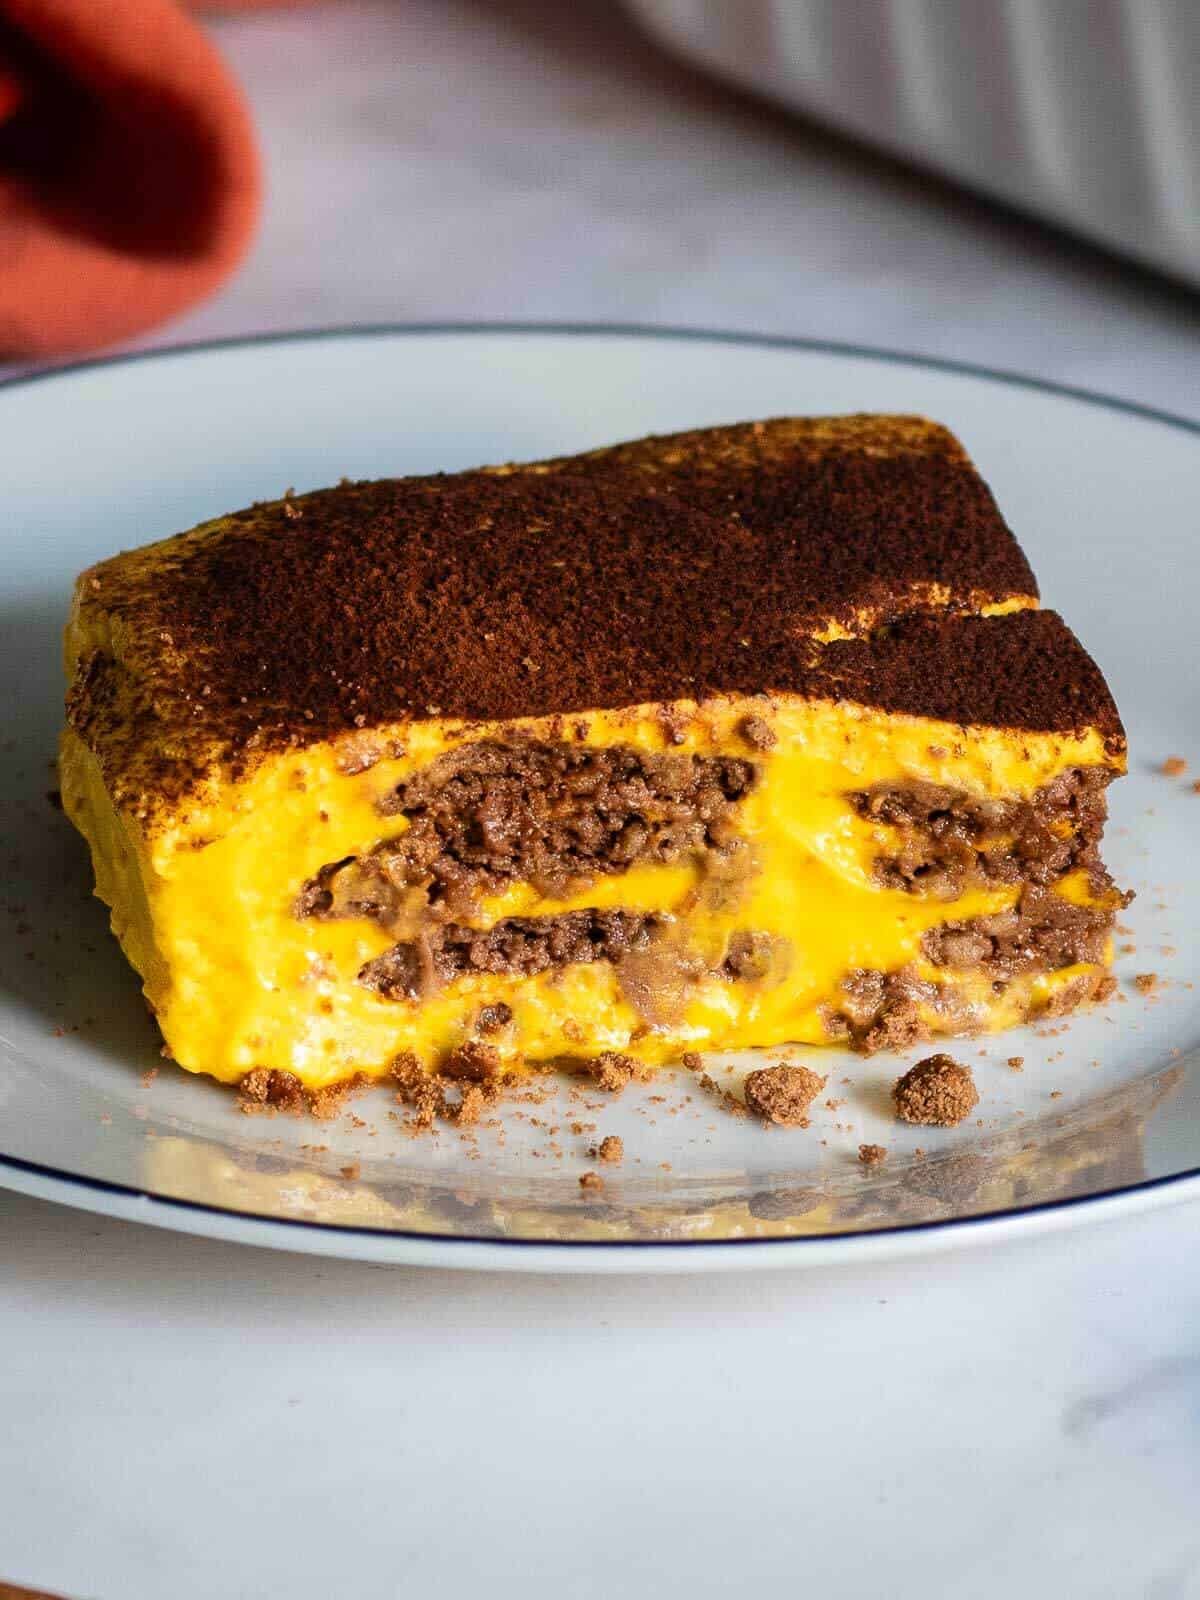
(1086, 112)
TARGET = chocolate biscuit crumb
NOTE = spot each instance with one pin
(1173, 767)
(938, 1092)
(1017, 1063)
(268, 1086)
(591, 1180)
(757, 733)
(872, 1154)
(417, 1089)
(1146, 982)
(729, 1102)
(782, 1095)
(494, 1017)
(473, 1062)
(611, 1149)
(613, 1071)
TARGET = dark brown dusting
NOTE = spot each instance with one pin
(553, 815)
(655, 572)
(1042, 933)
(954, 841)
(514, 946)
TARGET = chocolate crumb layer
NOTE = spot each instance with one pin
(515, 946)
(882, 1010)
(783, 1094)
(1042, 933)
(951, 841)
(938, 1092)
(554, 815)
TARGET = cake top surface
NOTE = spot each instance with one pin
(665, 569)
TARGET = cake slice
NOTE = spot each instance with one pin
(743, 736)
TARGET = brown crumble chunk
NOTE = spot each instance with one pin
(611, 1149)
(758, 733)
(1017, 1063)
(613, 1071)
(1146, 982)
(268, 1086)
(782, 1095)
(494, 1017)
(473, 1062)
(1173, 767)
(591, 1180)
(351, 1171)
(938, 1092)
(871, 1155)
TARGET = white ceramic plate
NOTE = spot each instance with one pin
(1104, 1117)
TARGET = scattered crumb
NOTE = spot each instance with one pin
(1017, 1063)
(1056, 1094)
(591, 1180)
(730, 1102)
(611, 1149)
(351, 1170)
(613, 1071)
(473, 1062)
(872, 1154)
(1173, 767)
(1196, 786)
(757, 733)
(938, 1093)
(1146, 982)
(782, 1095)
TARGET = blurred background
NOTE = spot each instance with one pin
(1009, 182)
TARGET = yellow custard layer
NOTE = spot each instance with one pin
(203, 897)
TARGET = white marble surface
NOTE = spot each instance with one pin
(186, 1419)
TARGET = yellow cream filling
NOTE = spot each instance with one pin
(202, 899)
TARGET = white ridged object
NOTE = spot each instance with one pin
(1086, 112)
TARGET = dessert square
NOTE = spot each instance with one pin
(739, 737)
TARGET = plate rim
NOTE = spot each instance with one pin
(48, 1181)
